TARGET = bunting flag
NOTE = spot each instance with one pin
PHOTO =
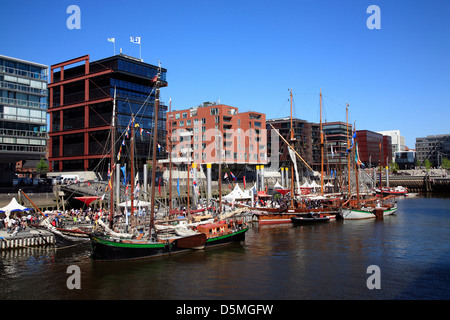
(357, 159)
(136, 192)
(159, 147)
(225, 176)
(159, 186)
(232, 175)
(244, 181)
(353, 140)
(178, 186)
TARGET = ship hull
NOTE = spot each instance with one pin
(108, 249)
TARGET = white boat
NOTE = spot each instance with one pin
(367, 213)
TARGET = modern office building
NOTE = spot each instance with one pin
(398, 141)
(336, 137)
(303, 140)
(81, 109)
(434, 148)
(215, 132)
(374, 148)
(23, 113)
(307, 142)
(406, 159)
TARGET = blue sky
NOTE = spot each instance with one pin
(250, 53)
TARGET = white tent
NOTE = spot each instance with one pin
(136, 203)
(314, 185)
(237, 194)
(306, 185)
(13, 206)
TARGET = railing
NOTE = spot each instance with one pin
(23, 73)
(23, 103)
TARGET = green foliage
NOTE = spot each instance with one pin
(42, 166)
(446, 163)
(427, 164)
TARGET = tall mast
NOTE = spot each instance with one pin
(169, 144)
(356, 170)
(113, 143)
(292, 130)
(155, 142)
(292, 165)
(132, 164)
(348, 155)
(219, 136)
(321, 146)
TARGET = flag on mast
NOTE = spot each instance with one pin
(113, 40)
(136, 40)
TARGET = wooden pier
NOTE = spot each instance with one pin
(26, 239)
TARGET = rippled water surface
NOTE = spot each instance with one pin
(284, 262)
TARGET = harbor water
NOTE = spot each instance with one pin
(334, 260)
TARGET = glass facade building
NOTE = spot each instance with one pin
(81, 108)
(434, 148)
(23, 110)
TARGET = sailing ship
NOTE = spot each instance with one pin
(357, 209)
(291, 208)
(148, 242)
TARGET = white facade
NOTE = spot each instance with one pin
(398, 141)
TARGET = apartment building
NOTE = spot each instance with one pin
(213, 133)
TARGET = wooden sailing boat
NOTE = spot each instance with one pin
(293, 208)
(107, 246)
(359, 209)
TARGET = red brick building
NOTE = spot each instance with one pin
(369, 148)
(206, 133)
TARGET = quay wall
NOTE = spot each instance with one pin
(25, 240)
(420, 184)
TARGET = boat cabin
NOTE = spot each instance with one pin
(214, 229)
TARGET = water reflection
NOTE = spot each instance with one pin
(326, 261)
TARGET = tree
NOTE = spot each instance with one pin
(446, 163)
(42, 166)
(394, 167)
(427, 163)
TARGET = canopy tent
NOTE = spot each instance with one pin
(13, 206)
(263, 194)
(136, 203)
(314, 185)
(306, 185)
(277, 186)
(87, 200)
(237, 194)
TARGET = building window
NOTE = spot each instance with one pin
(182, 123)
(184, 115)
(177, 116)
(214, 111)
